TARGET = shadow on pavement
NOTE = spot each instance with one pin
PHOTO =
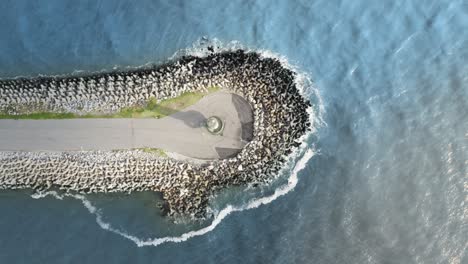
(191, 118)
(244, 111)
(225, 153)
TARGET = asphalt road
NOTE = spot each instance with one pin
(182, 132)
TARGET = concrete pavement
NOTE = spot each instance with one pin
(182, 132)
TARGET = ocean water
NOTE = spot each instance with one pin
(383, 178)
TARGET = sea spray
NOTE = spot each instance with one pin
(281, 191)
(204, 47)
(280, 119)
(315, 112)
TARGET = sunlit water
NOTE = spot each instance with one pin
(382, 180)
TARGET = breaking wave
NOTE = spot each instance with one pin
(292, 182)
(306, 88)
(204, 47)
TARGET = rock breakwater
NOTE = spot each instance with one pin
(280, 119)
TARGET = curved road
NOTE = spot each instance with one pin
(182, 132)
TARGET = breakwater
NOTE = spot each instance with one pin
(279, 111)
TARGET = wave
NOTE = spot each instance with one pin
(292, 182)
(306, 88)
(303, 80)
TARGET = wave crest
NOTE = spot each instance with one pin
(306, 88)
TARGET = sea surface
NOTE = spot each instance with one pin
(382, 179)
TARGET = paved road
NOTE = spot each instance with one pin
(182, 132)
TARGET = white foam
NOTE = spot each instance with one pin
(306, 88)
(303, 80)
(39, 195)
(292, 182)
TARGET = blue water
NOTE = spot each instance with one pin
(388, 182)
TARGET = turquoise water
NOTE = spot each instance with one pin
(388, 181)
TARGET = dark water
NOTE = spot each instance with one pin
(388, 182)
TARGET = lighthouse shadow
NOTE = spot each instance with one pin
(191, 118)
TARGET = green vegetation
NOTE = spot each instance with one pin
(155, 151)
(42, 115)
(153, 109)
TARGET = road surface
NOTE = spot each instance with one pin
(182, 132)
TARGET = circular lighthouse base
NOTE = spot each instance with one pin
(214, 125)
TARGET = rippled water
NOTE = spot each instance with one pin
(388, 182)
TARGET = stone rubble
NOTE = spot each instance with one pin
(280, 119)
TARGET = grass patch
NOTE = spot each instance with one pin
(152, 109)
(38, 116)
(155, 151)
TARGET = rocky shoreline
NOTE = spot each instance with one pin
(280, 119)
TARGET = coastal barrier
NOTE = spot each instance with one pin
(279, 113)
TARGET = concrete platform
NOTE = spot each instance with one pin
(182, 132)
